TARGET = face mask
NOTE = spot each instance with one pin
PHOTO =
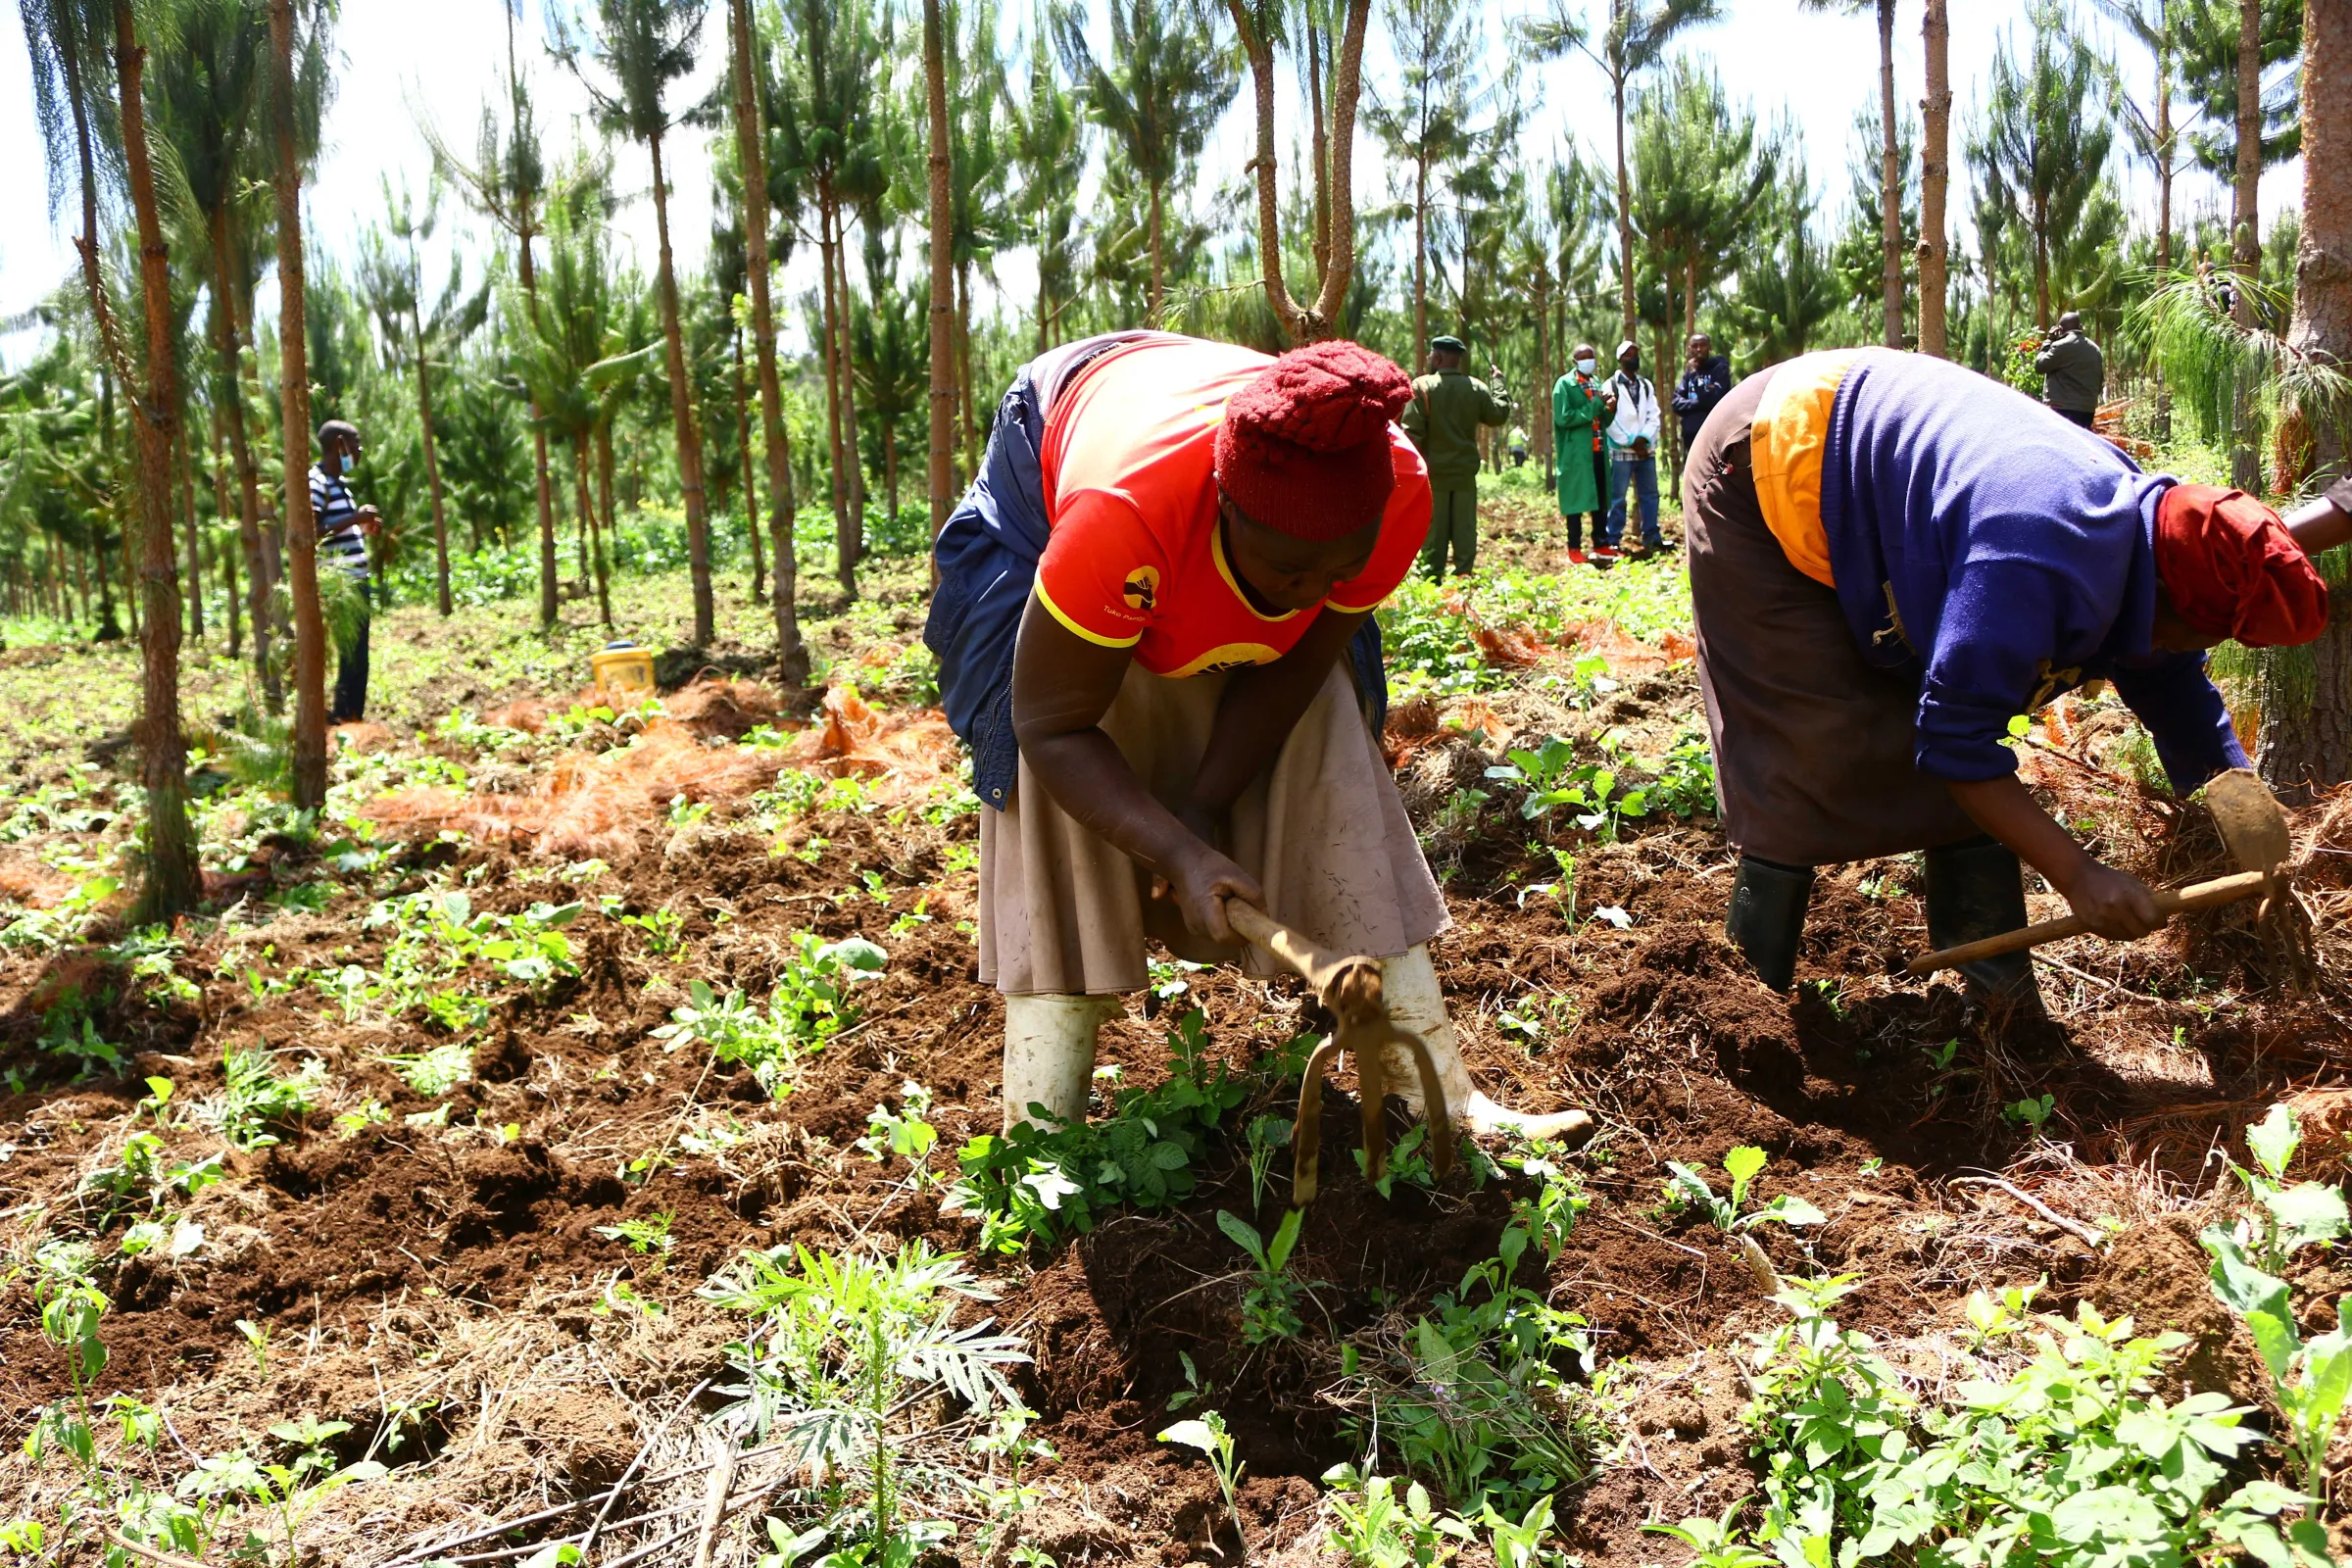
(1583, 367)
(351, 463)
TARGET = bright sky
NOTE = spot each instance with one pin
(436, 60)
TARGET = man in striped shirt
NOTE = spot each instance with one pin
(344, 529)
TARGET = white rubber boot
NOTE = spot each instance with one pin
(1049, 1054)
(1417, 1005)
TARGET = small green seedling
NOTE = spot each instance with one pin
(1686, 1187)
(905, 1132)
(2284, 1219)
(647, 1235)
(1269, 1136)
(1270, 1308)
(1208, 1434)
(2030, 1112)
(1716, 1542)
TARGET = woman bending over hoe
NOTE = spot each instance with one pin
(1892, 556)
(1142, 607)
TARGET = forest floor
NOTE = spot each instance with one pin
(422, 1148)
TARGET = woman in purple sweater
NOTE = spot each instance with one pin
(1892, 556)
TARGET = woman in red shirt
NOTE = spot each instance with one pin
(1188, 536)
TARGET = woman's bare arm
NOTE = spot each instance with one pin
(2114, 903)
(1062, 686)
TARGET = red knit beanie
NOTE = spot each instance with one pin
(1303, 449)
(2231, 569)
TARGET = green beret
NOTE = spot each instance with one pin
(1448, 344)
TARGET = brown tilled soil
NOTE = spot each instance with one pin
(462, 1272)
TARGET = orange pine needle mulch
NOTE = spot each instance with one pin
(592, 804)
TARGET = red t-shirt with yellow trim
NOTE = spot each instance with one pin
(1135, 558)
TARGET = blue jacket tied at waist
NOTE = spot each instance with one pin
(986, 554)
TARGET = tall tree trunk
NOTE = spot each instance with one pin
(1934, 178)
(750, 478)
(1625, 211)
(228, 589)
(539, 466)
(2245, 237)
(2041, 264)
(432, 466)
(851, 542)
(2163, 206)
(294, 382)
(2306, 732)
(1540, 403)
(1293, 321)
(225, 512)
(185, 467)
(1339, 222)
(1890, 183)
(172, 884)
(231, 395)
(1319, 149)
(939, 216)
(837, 371)
(973, 437)
(596, 569)
(752, 151)
(681, 412)
(1152, 314)
(1420, 258)
(604, 501)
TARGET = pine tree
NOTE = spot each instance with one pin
(2311, 741)
(507, 182)
(89, 65)
(747, 76)
(208, 91)
(1633, 37)
(1262, 26)
(2043, 146)
(1163, 87)
(1934, 178)
(1048, 141)
(637, 49)
(1429, 121)
(1702, 168)
(829, 148)
(392, 278)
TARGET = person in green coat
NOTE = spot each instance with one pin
(1582, 407)
(1448, 406)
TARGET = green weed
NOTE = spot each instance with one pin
(1270, 1305)
(1686, 1187)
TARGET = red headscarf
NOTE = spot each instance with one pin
(1304, 448)
(2231, 569)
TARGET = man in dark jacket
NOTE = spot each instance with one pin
(1706, 379)
(1448, 406)
(2074, 373)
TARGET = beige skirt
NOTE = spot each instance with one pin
(1323, 830)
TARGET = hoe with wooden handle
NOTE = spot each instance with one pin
(1350, 986)
(2253, 827)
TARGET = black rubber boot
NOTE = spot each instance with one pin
(1977, 889)
(1767, 915)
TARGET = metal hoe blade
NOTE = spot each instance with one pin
(2253, 825)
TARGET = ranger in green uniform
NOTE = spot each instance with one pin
(1581, 408)
(1448, 406)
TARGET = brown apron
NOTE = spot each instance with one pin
(1323, 830)
(1813, 747)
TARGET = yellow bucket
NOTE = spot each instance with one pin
(623, 667)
